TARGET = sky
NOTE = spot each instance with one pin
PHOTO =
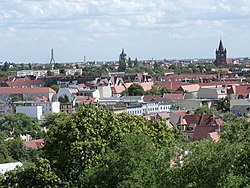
(99, 29)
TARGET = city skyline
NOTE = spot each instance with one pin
(159, 29)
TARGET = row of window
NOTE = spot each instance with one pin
(139, 112)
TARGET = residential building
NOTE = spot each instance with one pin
(27, 83)
(148, 108)
(48, 107)
(31, 111)
(72, 72)
(67, 107)
(197, 127)
(192, 88)
(193, 104)
(26, 93)
(240, 107)
(212, 93)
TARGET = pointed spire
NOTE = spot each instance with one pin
(221, 48)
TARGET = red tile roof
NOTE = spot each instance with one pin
(243, 90)
(117, 89)
(151, 97)
(183, 76)
(82, 100)
(202, 125)
(202, 132)
(173, 85)
(173, 96)
(5, 90)
(34, 144)
(214, 136)
(23, 83)
(190, 88)
(145, 85)
(21, 79)
(227, 83)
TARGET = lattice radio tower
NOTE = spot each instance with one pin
(52, 59)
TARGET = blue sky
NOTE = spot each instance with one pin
(99, 29)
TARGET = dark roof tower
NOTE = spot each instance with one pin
(123, 56)
(221, 47)
(221, 55)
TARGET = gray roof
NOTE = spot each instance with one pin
(130, 98)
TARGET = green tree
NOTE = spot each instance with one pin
(78, 142)
(63, 99)
(136, 63)
(50, 73)
(15, 98)
(4, 74)
(17, 124)
(30, 66)
(4, 153)
(209, 163)
(135, 90)
(158, 68)
(134, 162)
(6, 66)
(122, 66)
(157, 89)
(125, 92)
(205, 110)
(38, 175)
(19, 153)
(130, 63)
(54, 87)
(223, 104)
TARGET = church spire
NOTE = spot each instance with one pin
(221, 48)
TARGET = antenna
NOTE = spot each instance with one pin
(52, 59)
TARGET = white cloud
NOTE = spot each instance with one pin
(118, 22)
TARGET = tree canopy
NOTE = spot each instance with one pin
(17, 124)
(205, 110)
(97, 148)
(79, 142)
(135, 90)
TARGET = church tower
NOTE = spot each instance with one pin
(221, 55)
(123, 56)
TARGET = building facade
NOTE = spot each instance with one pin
(221, 55)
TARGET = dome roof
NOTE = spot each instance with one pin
(123, 53)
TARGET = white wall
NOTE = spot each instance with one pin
(105, 91)
(55, 107)
(31, 111)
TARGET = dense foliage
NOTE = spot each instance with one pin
(16, 124)
(97, 148)
(12, 126)
(79, 141)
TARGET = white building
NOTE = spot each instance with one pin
(26, 93)
(31, 111)
(5, 167)
(148, 108)
(37, 109)
(73, 72)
